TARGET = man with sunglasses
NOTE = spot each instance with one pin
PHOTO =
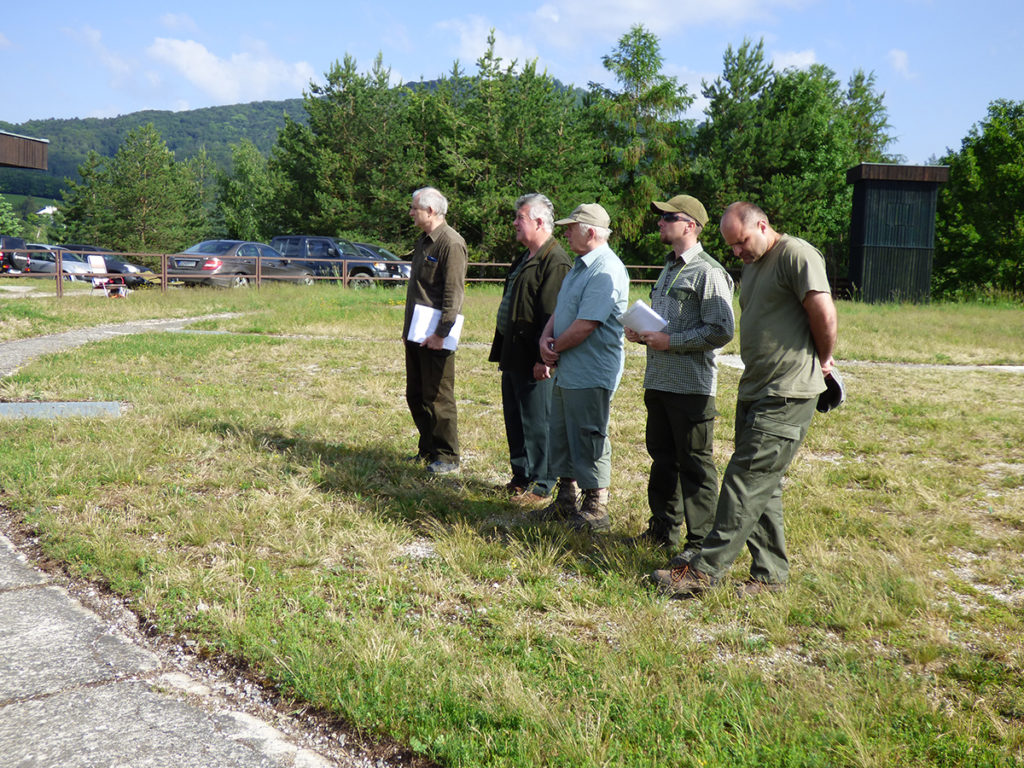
(693, 294)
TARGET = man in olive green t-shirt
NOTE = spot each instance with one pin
(787, 337)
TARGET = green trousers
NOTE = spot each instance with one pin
(768, 435)
(579, 443)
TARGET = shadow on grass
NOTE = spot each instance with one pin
(403, 491)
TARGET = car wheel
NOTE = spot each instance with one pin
(307, 279)
(360, 280)
(239, 281)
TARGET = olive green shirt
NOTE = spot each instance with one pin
(779, 358)
(437, 277)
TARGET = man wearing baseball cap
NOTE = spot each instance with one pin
(582, 342)
(693, 294)
(787, 339)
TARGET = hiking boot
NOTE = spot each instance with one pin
(684, 557)
(754, 587)
(593, 513)
(564, 506)
(682, 581)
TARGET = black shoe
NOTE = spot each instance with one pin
(650, 538)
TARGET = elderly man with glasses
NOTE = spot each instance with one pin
(693, 294)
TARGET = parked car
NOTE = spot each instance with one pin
(42, 260)
(380, 252)
(132, 274)
(330, 255)
(12, 254)
(232, 264)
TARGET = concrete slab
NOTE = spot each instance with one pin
(50, 642)
(14, 568)
(53, 410)
(129, 724)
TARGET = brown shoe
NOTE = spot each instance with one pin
(593, 514)
(511, 488)
(754, 587)
(682, 581)
(528, 499)
(564, 506)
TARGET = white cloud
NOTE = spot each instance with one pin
(472, 34)
(795, 59)
(900, 61)
(4, 42)
(120, 68)
(248, 76)
(179, 22)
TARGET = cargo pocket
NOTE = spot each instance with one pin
(592, 444)
(772, 444)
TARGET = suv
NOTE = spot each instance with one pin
(331, 255)
(12, 254)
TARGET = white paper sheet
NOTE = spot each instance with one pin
(424, 322)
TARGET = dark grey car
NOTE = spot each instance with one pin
(334, 256)
(233, 263)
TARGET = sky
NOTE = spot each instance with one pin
(939, 63)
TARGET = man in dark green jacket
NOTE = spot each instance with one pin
(531, 290)
(437, 280)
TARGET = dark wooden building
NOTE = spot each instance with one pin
(892, 229)
(22, 152)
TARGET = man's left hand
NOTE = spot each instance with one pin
(434, 342)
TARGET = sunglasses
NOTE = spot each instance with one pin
(673, 217)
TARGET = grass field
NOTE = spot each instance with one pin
(253, 498)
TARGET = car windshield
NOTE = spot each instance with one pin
(211, 247)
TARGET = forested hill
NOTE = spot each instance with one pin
(215, 128)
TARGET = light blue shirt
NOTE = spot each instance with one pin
(597, 289)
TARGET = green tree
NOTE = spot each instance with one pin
(10, 224)
(980, 230)
(244, 194)
(868, 119)
(140, 200)
(644, 137)
(785, 140)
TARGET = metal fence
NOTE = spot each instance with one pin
(165, 277)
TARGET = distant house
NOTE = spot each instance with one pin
(22, 151)
(47, 211)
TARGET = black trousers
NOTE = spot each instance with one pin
(430, 393)
(683, 486)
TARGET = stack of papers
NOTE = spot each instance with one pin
(642, 319)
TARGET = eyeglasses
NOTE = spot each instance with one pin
(674, 217)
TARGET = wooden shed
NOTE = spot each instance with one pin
(892, 229)
(22, 151)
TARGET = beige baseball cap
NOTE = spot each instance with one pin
(588, 213)
(687, 204)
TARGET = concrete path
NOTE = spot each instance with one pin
(75, 694)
